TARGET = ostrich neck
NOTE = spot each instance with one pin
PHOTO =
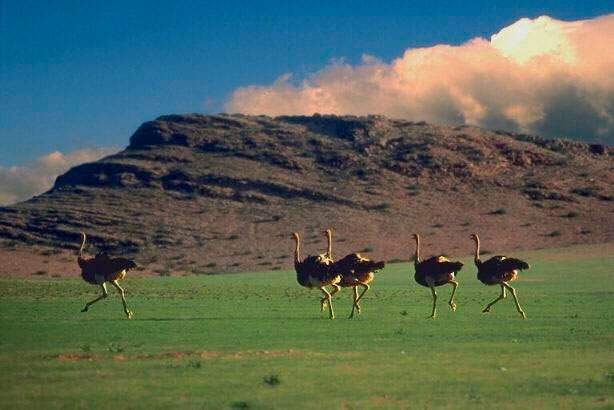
(329, 250)
(477, 249)
(82, 245)
(297, 251)
(417, 258)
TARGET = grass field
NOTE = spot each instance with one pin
(260, 341)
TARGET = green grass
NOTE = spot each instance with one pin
(259, 341)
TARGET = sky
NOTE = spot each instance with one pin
(77, 78)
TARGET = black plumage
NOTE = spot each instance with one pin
(355, 264)
(436, 271)
(499, 270)
(102, 269)
(315, 272)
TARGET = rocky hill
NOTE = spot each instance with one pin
(205, 194)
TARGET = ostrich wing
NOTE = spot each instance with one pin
(316, 266)
(508, 264)
(110, 266)
(355, 263)
(501, 264)
(437, 265)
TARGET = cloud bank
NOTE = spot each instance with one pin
(542, 76)
(19, 183)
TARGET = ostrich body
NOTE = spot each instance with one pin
(314, 272)
(355, 270)
(499, 270)
(436, 271)
(102, 269)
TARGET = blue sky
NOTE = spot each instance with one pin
(80, 74)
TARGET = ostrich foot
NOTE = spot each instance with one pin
(453, 306)
(524, 316)
(433, 316)
(84, 309)
(129, 314)
(486, 310)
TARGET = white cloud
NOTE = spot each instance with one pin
(18, 183)
(542, 75)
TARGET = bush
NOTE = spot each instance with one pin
(585, 191)
(500, 211)
(272, 380)
(554, 234)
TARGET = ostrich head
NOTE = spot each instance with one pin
(415, 236)
(328, 232)
(474, 236)
(295, 236)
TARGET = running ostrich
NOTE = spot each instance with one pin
(355, 271)
(436, 271)
(102, 269)
(315, 272)
(499, 270)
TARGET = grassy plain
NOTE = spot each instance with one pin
(258, 340)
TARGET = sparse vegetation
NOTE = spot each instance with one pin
(570, 214)
(384, 206)
(499, 211)
(585, 191)
(272, 380)
(554, 234)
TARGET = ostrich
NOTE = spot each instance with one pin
(355, 271)
(315, 272)
(499, 270)
(436, 271)
(102, 269)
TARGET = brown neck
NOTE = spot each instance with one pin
(82, 244)
(297, 250)
(477, 249)
(417, 256)
(329, 239)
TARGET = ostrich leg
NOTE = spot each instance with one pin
(103, 296)
(434, 313)
(513, 292)
(454, 286)
(501, 296)
(365, 289)
(121, 292)
(328, 298)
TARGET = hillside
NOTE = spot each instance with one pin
(205, 194)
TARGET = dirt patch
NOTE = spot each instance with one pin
(75, 357)
(176, 355)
